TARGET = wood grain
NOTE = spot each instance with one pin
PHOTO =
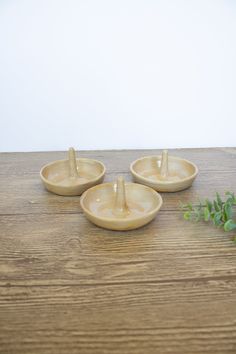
(67, 286)
(65, 249)
(26, 194)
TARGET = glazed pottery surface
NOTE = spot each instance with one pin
(120, 205)
(164, 173)
(73, 176)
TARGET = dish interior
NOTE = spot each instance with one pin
(150, 168)
(59, 172)
(140, 201)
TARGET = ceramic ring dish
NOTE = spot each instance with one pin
(120, 205)
(72, 176)
(164, 173)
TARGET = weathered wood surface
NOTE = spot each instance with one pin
(67, 286)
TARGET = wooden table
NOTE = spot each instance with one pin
(68, 287)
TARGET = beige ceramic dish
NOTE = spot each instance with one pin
(120, 205)
(73, 176)
(164, 173)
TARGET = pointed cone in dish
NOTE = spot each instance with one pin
(72, 176)
(164, 173)
(120, 206)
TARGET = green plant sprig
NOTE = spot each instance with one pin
(218, 211)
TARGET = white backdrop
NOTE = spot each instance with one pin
(98, 74)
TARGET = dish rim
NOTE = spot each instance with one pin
(121, 220)
(134, 173)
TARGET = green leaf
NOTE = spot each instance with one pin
(216, 206)
(198, 215)
(217, 218)
(212, 214)
(219, 200)
(218, 210)
(231, 197)
(229, 225)
(206, 214)
(188, 206)
(187, 215)
(209, 205)
(228, 211)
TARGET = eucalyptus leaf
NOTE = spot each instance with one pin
(217, 218)
(209, 205)
(228, 211)
(229, 225)
(187, 215)
(219, 200)
(206, 214)
(218, 210)
(216, 206)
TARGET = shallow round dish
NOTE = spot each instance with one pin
(72, 177)
(164, 173)
(120, 206)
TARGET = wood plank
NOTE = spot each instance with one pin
(68, 249)
(117, 161)
(67, 286)
(197, 291)
(114, 319)
(26, 194)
